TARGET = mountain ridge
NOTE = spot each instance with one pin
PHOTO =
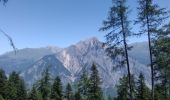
(68, 63)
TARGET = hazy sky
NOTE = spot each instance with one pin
(39, 23)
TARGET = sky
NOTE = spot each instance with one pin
(41, 23)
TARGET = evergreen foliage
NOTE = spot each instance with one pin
(69, 92)
(44, 85)
(83, 85)
(118, 29)
(143, 92)
(56, 92)
(151, 17)
(95, 92)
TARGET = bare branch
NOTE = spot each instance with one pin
(10, 40)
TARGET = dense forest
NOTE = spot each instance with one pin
(153, 22)
(88, 88)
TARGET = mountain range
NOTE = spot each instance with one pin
(68, 63)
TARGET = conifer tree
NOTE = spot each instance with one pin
(1, 98)
(69, 92)
(34, 94)
(150, 16)
(44, 85)
(110, 98)
(56, 91)
(142, 90)
(123, 92)
(122, 89)
(78, 96)
(118, 29)
(22, 92)
(16, 89)
(95, 92)
(83, 85)
(161, 62)
(3, 82)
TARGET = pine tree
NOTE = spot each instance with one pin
(110, 98)
(3, 82)
(161, 62)
(122, 89)
(83, 85)
(56, 91)
(78, 96)
(69, 92)
(44, 85)
(150, 16)
(22, 92)
(123, 92)
(16, 89)
(95, 92)
(142, 90)
(116, 40)
(34, 94)
(1, 98)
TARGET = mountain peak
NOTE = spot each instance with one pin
(90, 41)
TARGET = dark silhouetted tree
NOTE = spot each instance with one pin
(83, 85)
(95, 92)
(69, 92)
(56, 91)
(44, 85)
(116, 40)
(142, 90)
(150, 16)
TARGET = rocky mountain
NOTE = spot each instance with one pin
(68, 63)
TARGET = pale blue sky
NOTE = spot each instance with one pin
(39, 23)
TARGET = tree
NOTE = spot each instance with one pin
(56, 91)
(150, 16)
(118, 26)
(78, 96)
(142, 90)
(122, 89)
(44, 85)
(123, 92)
(34, 94)
(83, 85)
(69, 92)
(110, 98)
(161, 61)
(16, 89)
(95, 92)
(1, 98)
(3, 82)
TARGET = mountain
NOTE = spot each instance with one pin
(68, 63)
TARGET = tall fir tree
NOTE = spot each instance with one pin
(116, 40)
(69, 92)
(122, 89)
(44, 85)
(161, 62)
(95, 91)
(56, 91)
(142, 90)
(150, 16)
(3, 83)
(83, 85)
(16, 89)
(34, 94)
(78, 96)
(123, 92)
(1, 98)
